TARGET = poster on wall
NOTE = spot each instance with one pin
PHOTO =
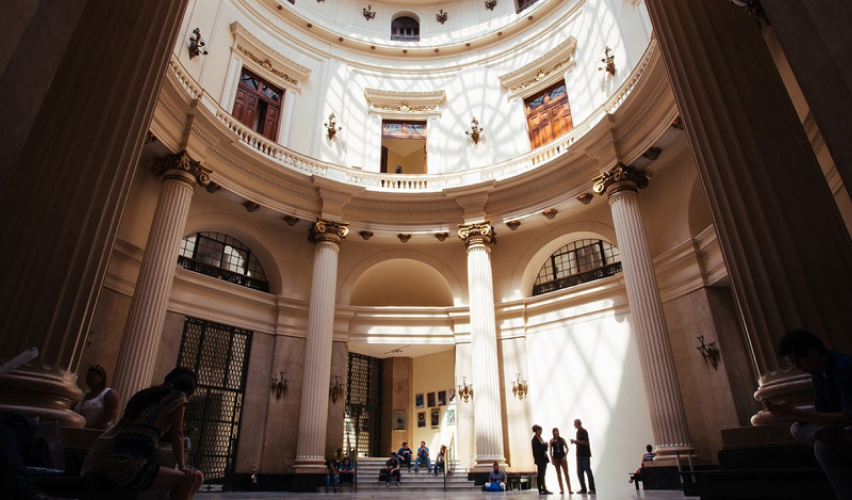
(451, 416)
(418, 400)
(421, 419)
(452, 393)
(400, 418)
(442, 398)
(430, 399)
(436, 417)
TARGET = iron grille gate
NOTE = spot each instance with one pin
(219, 354)
(363, 404)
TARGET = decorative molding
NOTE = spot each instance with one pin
(326, 230)
(620, 178)
(265, 60)
(478, 232)
(542, 72)
(181, 162)
(388, 103)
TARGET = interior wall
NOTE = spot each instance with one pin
(432, 373)
(107, 330)
(396, 396)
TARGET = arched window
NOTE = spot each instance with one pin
(405, 29)
(223, 257)
(577, 262)
(523, 4)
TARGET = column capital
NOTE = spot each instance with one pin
(168, 166)
(620, 178)
(478, 232)
(326, 230)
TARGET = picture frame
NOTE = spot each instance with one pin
(436, 417)
(400, 420)
(442, 398)
(430, 399)
(451, 416)
(421, 419)
(418, 401)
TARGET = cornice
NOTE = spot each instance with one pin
(540, 73)
(265, 60)
(391, 104)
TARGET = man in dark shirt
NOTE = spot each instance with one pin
(584, 457)
(404, 455)
(828, 427)
(390, 470)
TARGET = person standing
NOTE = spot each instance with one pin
(539, 451)
(584, 457)
(559, 458)
(101, 404)
(423, 457)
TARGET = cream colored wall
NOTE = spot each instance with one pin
(411, 164)
(432, 373)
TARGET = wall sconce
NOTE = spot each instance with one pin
(197, 44)
(335, 389)
(441, 16)
(490, 4)
(474, 131)
(608, 62)
(709, 351)
(520, 387)
(369, 13)
(331, 128)
(279, 385)
(465, 390)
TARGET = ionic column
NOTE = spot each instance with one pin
(141, 342)
(313, 413)
(786, 248)
(668, 419)
(487, 405)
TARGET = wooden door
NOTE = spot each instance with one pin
(548, 115)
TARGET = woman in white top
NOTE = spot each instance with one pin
(100, 404)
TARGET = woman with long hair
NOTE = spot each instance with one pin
(100, 405)
(151, 415)
(559, 458)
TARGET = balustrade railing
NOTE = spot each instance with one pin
(222, 274)
(577, 279)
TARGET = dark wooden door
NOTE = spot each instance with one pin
(258, 105)
(548, 115)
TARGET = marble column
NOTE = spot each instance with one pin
(141, 342)
(487, 402)
(65, 171)
(786, 248)
(668, 419)
(313, 412)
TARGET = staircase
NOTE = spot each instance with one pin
(368, 477)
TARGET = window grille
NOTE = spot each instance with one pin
(577, 262)
(363, 404)
(405, 29)
(223, 257)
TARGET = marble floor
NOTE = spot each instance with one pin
(602, 494)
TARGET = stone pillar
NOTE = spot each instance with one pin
(785, 246)
(313, 413)
(487, 401)
(66, 169)
(141, 342)
(668, 419)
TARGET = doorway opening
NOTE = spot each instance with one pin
(404, 147)
(362, 417)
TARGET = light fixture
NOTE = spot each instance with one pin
(465, 390)
(279, 385)
(197, 45)
(331, 128)
(709, 351)
(519, 387)
(490, 4)
(475, 130)
(608, 62)
(441, 16)
(369, 13)
(335, 389)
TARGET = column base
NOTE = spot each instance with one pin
(309, 465)
(796, 389)
(46, 395)
(486, 463)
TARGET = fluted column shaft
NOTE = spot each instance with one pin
(487, 403)
(785, 246)
(141, 342)
(313, 412)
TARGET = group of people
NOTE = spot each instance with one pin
(402, 457)
(556, 452)
(338, 470)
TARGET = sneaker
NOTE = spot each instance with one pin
(582, 492)
(591, 492)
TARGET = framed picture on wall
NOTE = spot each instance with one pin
(430, 399)
(452, 394)
(400, 419)
(418, 400)
(421, 419)
(442, 398)
(451, 416)
(436, 417)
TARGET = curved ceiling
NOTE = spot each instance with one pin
(402, 283)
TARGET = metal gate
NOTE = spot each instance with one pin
(219, 354)
(363, 404)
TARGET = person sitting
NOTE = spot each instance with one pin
(648, 456)
(338, 456)
(440, 459)
(404, 455)
(497, 479)
(422, 457)
(390, 470)
(331, 476)
(100, 404)
(150, 415)
(346, 471)
(15, 481)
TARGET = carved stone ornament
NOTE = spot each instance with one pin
(441, 236)
(391, 104)
(181, 161)
(404, 237)
(514, 224)
(290, 220)
(478, 232)
(369, 13)
(366, 235)
(251, 206)
(620, 178)
(585, 198)
(441, 16)
(653, 153)
(326, 230)
(542, 72)
(490, 4)
(550, 213)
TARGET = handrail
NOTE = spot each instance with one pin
(375, 181)
(448, 457)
